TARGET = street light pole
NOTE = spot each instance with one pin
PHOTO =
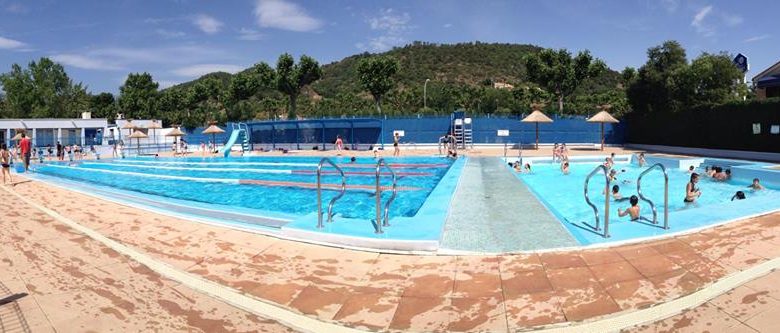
(425, 94)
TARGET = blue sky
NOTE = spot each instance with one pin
(101, 41)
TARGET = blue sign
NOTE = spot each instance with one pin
(741, 61)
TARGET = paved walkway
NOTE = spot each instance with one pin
(75, 284)
(752, 307)
(393, 292)
(491, 211)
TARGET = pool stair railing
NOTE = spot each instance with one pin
(319, 191)
(606, 201)
(383, 220)
(666, 194)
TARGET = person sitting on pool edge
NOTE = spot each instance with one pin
(641, 160)
(738, 196)
(633, 211)
(691, 191)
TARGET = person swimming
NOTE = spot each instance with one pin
(633, 211)
(691, 169)
(352, 159)
(565, 168)
(527, 167)
(616, 193)
(691, 191)
(738, 196)
(641, 160)
(756, 186)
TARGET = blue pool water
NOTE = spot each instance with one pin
(563, 196)
(230, 181)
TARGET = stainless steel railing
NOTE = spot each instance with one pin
(666, 193)
(319, 191)
(606, 198)
(380, 221)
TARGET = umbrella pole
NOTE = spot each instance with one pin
(602, 136)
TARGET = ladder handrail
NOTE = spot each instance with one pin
(606, 201)
(666, 193)
(379, 221)
(319, 191)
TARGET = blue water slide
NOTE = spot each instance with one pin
(232, 141)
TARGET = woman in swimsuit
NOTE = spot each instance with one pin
(5, 161)
(691, 191)
(339, 144)
(397, 150)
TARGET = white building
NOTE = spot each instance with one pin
(43, 132)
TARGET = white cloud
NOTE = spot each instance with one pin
(756, 38)
(207, 24)
(16, 8)
(732, 20)
(392, 26)
(203, 69)
(164, 83)
(670, 5)
(281, 14)
(84, 62)
(170, 34)
(698, 21)
(249, 34)
(11, 44)
(447, 25)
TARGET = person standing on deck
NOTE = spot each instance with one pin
(396, 149)
(339, 144)
(5, 162)
(24, 145)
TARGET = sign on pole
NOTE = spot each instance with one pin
(741, 61)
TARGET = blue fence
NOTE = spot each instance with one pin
(360, 133)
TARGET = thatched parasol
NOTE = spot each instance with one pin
(154, 125)
(129, 126)
(175, 133)
(213, 129)
(138, 135)
(603, 117)
(537, 117)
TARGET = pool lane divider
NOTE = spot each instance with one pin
(198, 283)
(250, 170)
(266, 309)
(345, 165)
(243, 181)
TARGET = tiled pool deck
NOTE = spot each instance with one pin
(77, 284)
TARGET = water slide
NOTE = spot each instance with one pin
(232, 141)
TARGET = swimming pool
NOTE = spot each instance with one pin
(284, 185)
(563, 196)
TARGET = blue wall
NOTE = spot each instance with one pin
(429, 129)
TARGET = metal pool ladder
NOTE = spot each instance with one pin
(380, 222)
(319, 191)
(606, 197)
(666, 194)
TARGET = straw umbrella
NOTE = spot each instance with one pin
(138, 135)
(154, 125)
(175, 133)
(537, 117)
(213, 129)
(129, 126)
(603, 117)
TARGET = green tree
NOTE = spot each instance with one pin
(42, 90)
(138, 96)
(651, 91)
(627, 76)
(559, 73)
(103, 105)
(172, 106)
(292, 77)
(251, 82)
(376, 74)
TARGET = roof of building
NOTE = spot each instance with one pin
(772, 70)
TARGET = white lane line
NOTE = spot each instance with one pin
(147, 175)
(218, 163)
(212, 289)
(277, 171)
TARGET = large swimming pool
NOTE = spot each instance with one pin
(283, 185)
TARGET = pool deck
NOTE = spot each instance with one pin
(77, 283)
(494, 212)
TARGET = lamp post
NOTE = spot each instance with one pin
(425, 94)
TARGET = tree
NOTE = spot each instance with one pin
(650, 91)
(559, 73)
(138, 96)
(42, 90)
(376, 74)
(627, 76)
(251, 82)
(103, 105)
(291, 77)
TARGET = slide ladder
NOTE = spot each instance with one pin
(238, 135)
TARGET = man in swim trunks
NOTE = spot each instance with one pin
(396, 149)
(633, 211)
